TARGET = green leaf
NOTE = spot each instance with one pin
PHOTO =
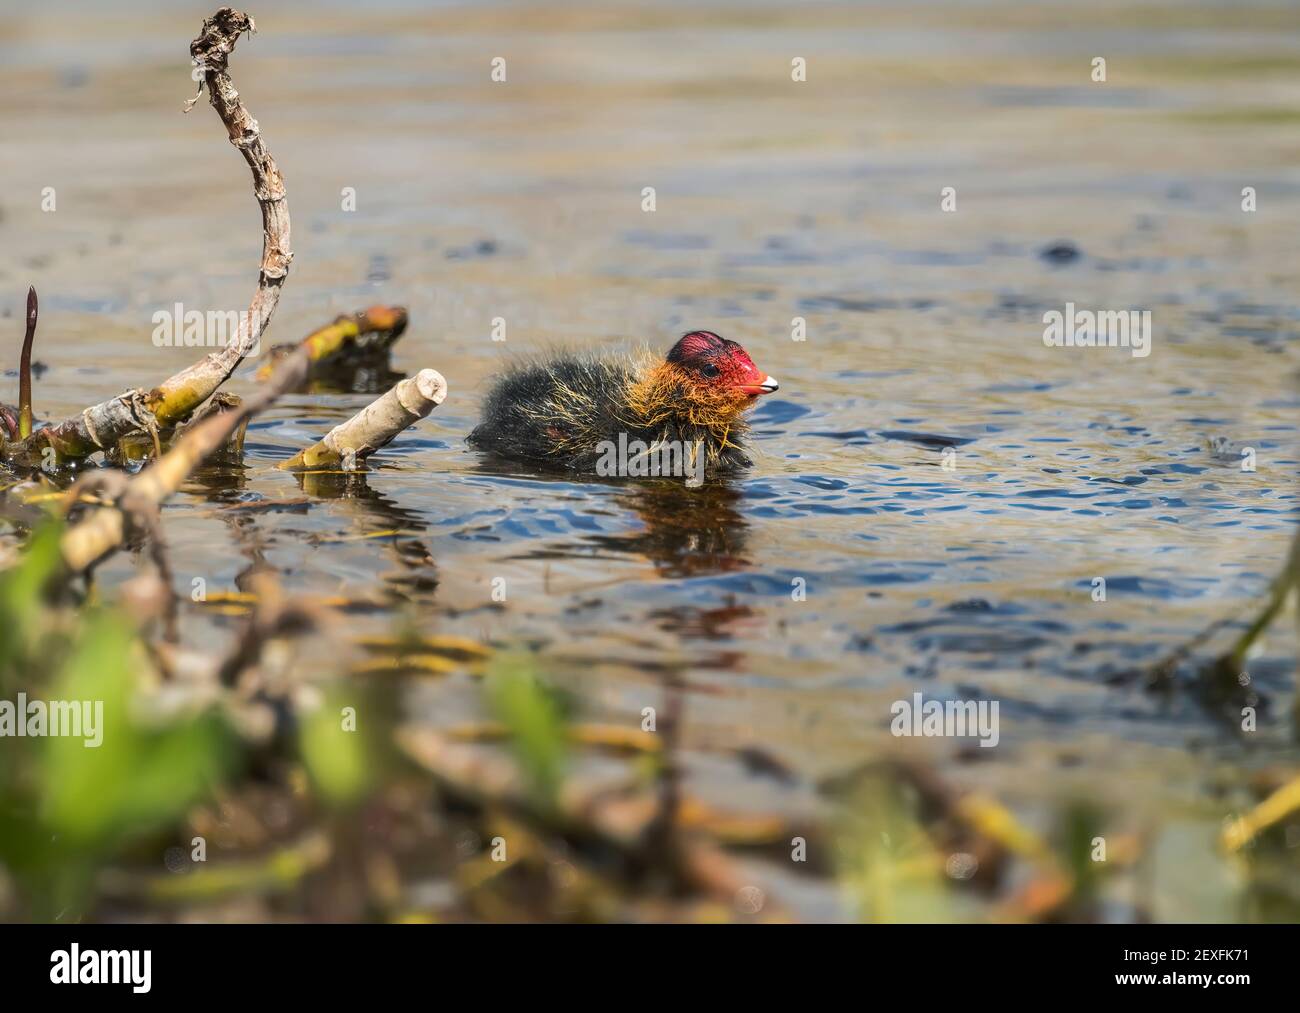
(534, 716)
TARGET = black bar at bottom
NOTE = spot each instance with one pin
(336, 962)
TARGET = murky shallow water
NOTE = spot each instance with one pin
(522, 200)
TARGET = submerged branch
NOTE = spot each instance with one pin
(1226, 677)
(1283, 584)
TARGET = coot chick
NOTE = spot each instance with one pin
(565, 411)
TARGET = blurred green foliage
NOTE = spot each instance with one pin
(65, 806)
(340, 745)
(536, 717)
(887, 866)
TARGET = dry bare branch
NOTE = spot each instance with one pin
(101, 426)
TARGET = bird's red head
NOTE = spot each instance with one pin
(715, 363)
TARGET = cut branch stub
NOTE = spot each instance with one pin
(375, 425)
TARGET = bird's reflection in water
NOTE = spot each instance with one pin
(689, 532)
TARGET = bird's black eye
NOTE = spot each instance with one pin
(709, 369)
